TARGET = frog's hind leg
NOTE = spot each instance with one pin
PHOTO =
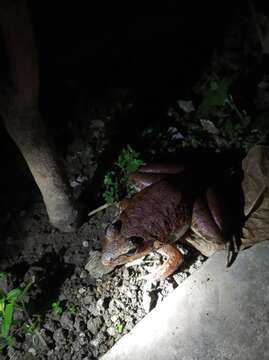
(143, 180)
(162, 168)
(150, 174)
(174, 260)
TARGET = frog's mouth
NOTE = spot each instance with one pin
(130, 249)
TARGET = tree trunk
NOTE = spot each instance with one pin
(21, 116)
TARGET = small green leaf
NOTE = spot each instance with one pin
(2, 306)
(2, 275)
(216, 96)
(25, 290)
(2, 294)
(213, 85)
(120, 328)
(13, 295)
(7, 320)
(28, 328)
(72, 309)
(9, 340)
(56, 308)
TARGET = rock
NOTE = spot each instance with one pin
(81, 291)
(107, 319)
(85, 244)
(67, 321)
(32, 351)
(98, 340)
(114, 318)
(82, 338)
(149, 300)
(83, 274)
(50, 325)
(180, 277)
(94, 325)
(89, 299)
(111, 331)
(60, 336)
(79, 324)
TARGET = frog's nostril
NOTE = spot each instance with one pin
(136, 240)
(134, 243)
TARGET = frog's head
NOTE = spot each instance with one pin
(118, 250)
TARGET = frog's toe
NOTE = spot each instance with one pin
(174, 260)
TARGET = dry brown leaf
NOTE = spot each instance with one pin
(256, 192)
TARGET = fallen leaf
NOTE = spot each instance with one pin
(255, 186)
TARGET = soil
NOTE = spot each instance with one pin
(97, 307)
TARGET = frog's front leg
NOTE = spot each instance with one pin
(150, 174)
(171, 264)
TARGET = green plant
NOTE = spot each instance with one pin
(116, 181)
(72, 309)
(2, 275)
(218, 122)
(8, 303)
(56, 308)
(216, 94)
(120, 328)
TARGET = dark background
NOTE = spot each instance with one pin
(87, 52)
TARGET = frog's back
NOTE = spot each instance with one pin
(156, 212)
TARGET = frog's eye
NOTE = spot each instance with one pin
(136, 240)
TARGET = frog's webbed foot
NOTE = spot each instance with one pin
(174, 260)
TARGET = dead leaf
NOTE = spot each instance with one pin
(256, 176)
(256, 192)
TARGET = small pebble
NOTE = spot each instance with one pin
(83, 274)
(32, 351)
(114, 318)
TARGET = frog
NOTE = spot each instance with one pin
(167, 205)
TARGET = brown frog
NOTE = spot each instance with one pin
(166, 207)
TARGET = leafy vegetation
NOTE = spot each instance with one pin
(72, 309)
(56, 308)
(14, 299)
(120, 328)
(216, 123)
(116, 181)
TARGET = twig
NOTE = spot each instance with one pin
(231, 103)
(100, 208)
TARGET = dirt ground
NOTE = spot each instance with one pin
(96, 308)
